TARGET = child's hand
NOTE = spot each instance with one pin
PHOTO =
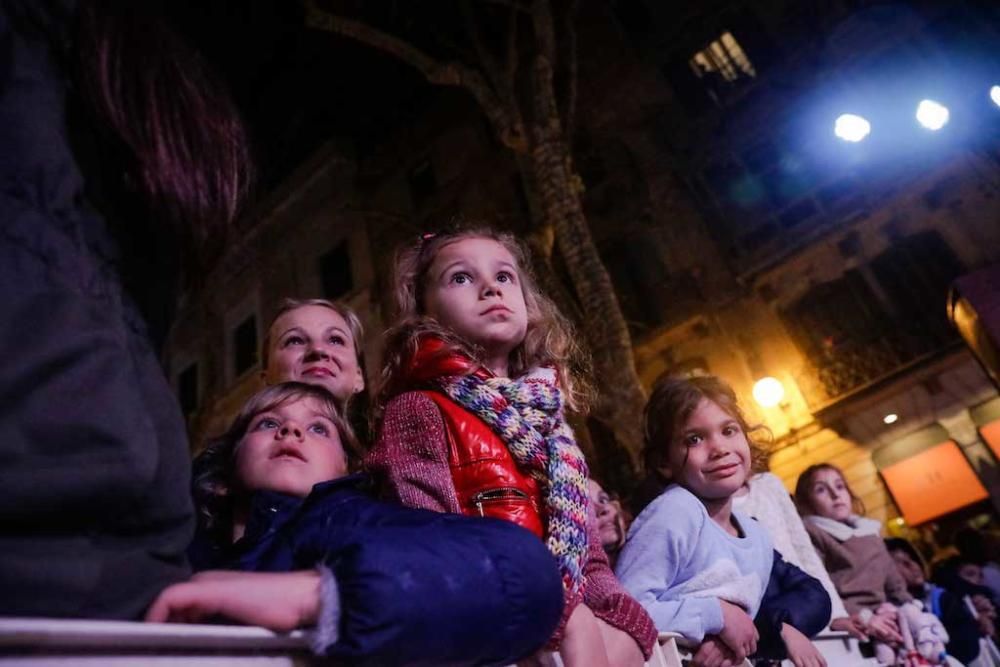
(983, 606)
(713, 652)
(851, 625)
(738, 631)
(801, 651)
(885, 629)
(280, 601)
(582, 643)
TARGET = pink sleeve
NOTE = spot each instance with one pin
(410, 457)
(605, 597)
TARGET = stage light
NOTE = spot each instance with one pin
(851, 127)
(995, 95)
(890, 418)
(932, 115)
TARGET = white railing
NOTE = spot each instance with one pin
(40, 642)
(43, 642)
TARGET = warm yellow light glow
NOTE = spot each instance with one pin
(768, 392)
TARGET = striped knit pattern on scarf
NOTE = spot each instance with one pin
(528, 416)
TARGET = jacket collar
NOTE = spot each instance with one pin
(435, 358)
(270, 509)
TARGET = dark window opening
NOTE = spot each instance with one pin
(335, 272)
(916, 273)
(245, 345)
(837, 314)
(187, 389)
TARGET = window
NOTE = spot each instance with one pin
(245, 346)
(187, 389)
(722, 59)
(422, 181)
(916, 273)
(853, 337)
(821, 322)
(335, 272)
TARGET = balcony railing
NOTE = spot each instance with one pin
(838, 373)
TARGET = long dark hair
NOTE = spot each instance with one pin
(182, 141)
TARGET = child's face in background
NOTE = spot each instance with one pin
(911, 571)
(606, 513)
(289, 449)
(710, 455)
(971, 572)
(473, 287)
(829, 496)
(313, 344)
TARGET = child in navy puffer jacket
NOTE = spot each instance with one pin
(383, 584)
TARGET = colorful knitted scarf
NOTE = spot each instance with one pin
(527, 414)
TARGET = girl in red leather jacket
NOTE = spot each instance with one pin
(477, 375)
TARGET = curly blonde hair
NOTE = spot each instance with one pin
(671, 403)
(550, 338)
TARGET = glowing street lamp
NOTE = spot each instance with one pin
(932, 115)
(768, 392)
(851, 127)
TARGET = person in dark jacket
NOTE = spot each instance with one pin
(383, 583)
(963, 631)
(115, 152)
(795, 608)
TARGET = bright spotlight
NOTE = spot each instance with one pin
(995, 95)
(851, 127)
(932, 115)
(891, 418)
(768, 392)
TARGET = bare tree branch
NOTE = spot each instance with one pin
(515, 6)
(545, 32)
(489, 62)
(569, 103)
(546, 109)
(512, 48)
(440, 73)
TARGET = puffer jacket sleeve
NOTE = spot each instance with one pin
(792, 597)
(451, 591)
(610, 602)
(409, 460)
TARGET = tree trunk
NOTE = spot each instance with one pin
(621, 396)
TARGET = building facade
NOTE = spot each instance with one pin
(743, 238)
